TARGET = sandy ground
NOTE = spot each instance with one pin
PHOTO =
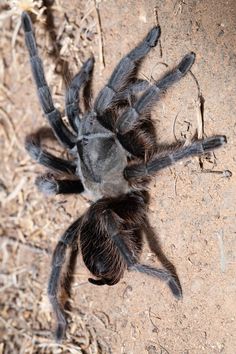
(193, 204)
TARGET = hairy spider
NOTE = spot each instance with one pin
(114, 154)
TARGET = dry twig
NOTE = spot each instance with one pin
(101, 42)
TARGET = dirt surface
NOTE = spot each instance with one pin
(193, 204)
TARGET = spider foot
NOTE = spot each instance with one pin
(153, 36)
(47, 184)
(61, 318)
(26, 22)
(213, 142)
(60, 331)
(32, 145)
(175, 288)
(186, 63)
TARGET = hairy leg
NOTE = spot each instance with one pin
(155, 247)
(125, 70)
(83, 78)
(129, 256)
(43, 157)
(49, 185)
(167, 159)
(134, 88)
(68, 239)
(52, 114)
(141, 141)
(122, 100)
(130, 117)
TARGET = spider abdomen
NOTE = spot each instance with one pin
(99, 235)
(99, 252)
(103, 262)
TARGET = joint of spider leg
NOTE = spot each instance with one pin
(39, 156)
(73, 107)
(136, 171)
(111, 88)
(127, 120)
(47, 104)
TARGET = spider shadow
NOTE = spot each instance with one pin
(62, 66)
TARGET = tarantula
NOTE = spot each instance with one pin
(114, 154)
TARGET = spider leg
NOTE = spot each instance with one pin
(130, 117)
(49, 185)
(45, 98)
(83, 78)
(122, 99)
(162, 274)
(132, 262)
(125, 70)
(43, 157)
(167, 159)
(141, 140)
(132, 89)
(156, 248)
(68, 239)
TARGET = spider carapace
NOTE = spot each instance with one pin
(102, 160)
(113, 155)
